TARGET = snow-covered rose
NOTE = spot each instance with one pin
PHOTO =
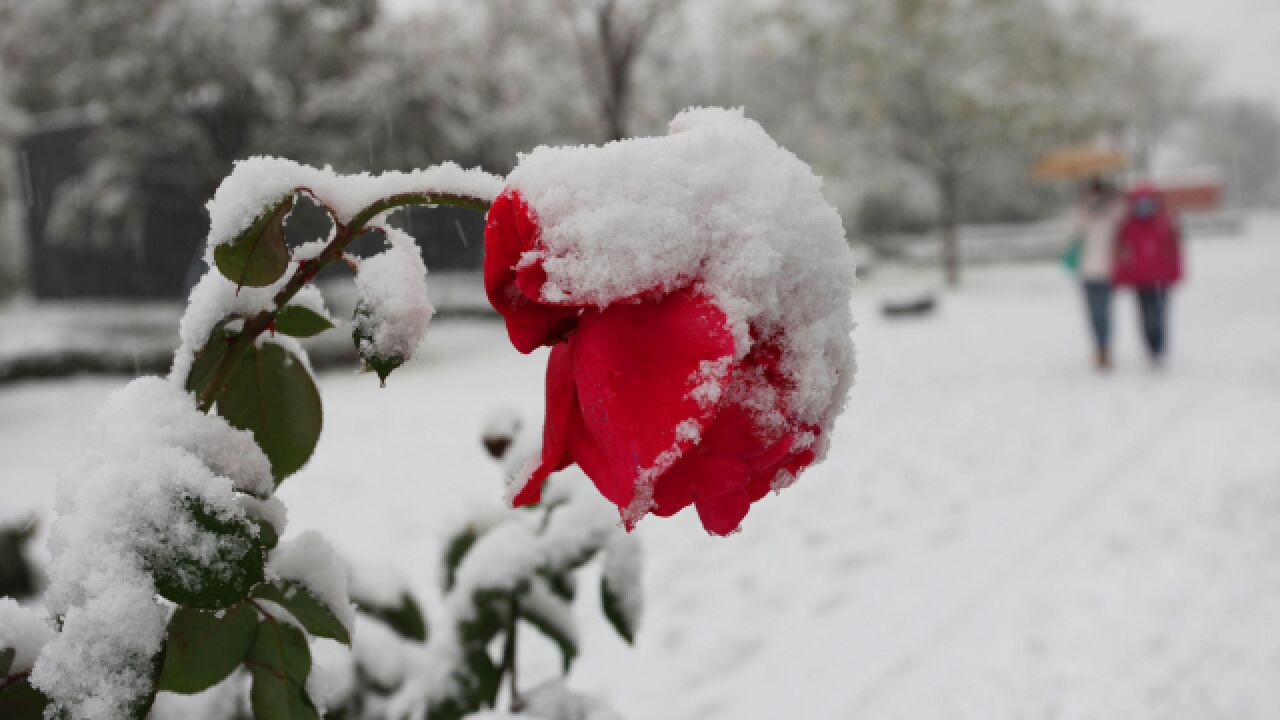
(694, 289)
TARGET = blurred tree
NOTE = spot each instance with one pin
(12, 249)
(1136, 88)
(505, 78)
(1242, 138)
(165, 81)
(950, 83)
(611, 35)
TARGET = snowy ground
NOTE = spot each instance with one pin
(998, 532)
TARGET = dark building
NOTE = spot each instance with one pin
(158, 254)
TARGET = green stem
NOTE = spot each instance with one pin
(509, 654)
(342, 237)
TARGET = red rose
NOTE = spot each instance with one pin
(648, 394)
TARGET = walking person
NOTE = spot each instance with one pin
(1148, 258)
(1091, 255)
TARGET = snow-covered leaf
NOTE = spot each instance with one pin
(300, 321)
(405, 618)
(208, 358)
(553, 617)
(456, 551)
(268, 535)
(271, 394)
(258, 256)
(393, 311)
(202, 648)
(621, 585)
(475, 684)
(305, 607)
(213, 570)
(564, 585)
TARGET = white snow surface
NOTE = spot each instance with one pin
(553, 699)
(259, 182)
(24, 630)
(121, 508)
(394, 310)
(998, 532)
(716, 204)
(309, 297)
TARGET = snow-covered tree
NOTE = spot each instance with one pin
(1135, 87)
(948, 80)
(1242, 139)
(611, 36)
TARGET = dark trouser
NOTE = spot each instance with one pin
(1153, 304)
(1097, 296)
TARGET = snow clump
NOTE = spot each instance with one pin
(123, 506)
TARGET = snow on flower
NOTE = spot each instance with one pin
(694, 289)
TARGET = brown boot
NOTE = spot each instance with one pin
(1102, 361)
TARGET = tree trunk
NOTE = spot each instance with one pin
(948, 186)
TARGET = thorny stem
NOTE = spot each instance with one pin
(307, 271)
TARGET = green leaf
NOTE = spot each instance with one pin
(362, 332)
(563, 585)
(272, 395)
(306, 608)
(191, 578)
(614, 610)
(487, 619)
(620, 582)
(208, 358)
(457, 549)
(406, 618)
(299, 321)
(20, 701)
(548, 612)
(6, 660)
(201, 648)
(258, 256)
(280, 662)
(268, 536)
(475, 686)
(483, 676)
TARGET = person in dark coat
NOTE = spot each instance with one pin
(1148, 258)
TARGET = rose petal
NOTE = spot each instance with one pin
(560, 421)
(720, 493)
(673, 491)
(634, 365)
(510, 231)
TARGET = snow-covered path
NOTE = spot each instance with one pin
(998, 532)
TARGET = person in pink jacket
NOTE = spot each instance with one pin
(1148, 258)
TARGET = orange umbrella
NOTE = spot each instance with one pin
(1081, 161)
